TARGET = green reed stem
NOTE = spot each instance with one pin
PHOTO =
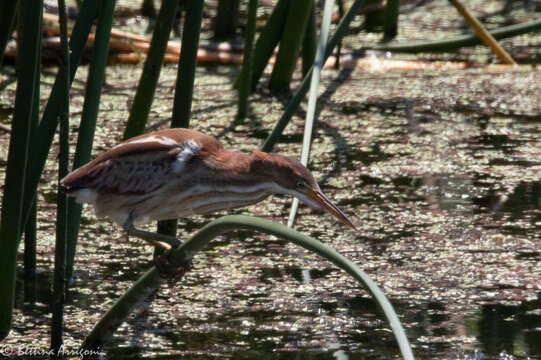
(30, 229)
(30, 256)
(290, 44)
(146, 89)
(47, 128)
(460, 41)
(309, 43)
(390, 24)
(266, 42)
(12, 202)
(182, 106)
(294, 103)
(226, 19)
(248, 61)
(91, 105)
(312, 100)
(151, 280)
(59, 282)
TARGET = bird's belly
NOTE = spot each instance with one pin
(160, 205)
(208, 202)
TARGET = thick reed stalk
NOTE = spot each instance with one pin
(30, 229)
(30, 257)
(341, 12)
(59, 283)
(12, 202)
(85, 139)
(290, 44)
(49, 120)
(182, 106)
(309, 43)
(294, 103)
(390, 24)
(225, 22)
(268, 39)
(151, 70)
(248, 62)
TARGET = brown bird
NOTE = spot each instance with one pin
(175, 173)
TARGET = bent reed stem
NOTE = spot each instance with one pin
(151, 280)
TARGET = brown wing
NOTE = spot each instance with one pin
(141, 164)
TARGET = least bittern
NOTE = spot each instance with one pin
(175, 173)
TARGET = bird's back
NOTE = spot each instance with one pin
(126, 175)
(137, 165)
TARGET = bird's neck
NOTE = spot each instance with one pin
(237, 170)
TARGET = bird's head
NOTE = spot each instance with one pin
(292, 178)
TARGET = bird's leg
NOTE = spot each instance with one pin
(161, 241)
(164, 245)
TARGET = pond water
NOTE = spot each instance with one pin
(439, 170)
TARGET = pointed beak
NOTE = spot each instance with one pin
(327, 205)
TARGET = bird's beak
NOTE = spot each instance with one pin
(326, 204)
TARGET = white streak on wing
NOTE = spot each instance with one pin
(189, 150)
(153, 138)
(85, 196)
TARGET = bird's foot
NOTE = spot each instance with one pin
(169, 271)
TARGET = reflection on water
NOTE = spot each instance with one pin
(505, 328)
(525, 196)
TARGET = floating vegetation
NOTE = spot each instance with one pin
(442, 170)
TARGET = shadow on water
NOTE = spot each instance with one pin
(525, 196)
(268, 334)
(498, 329)
(506, 328)
(255, 334)
(271, 334)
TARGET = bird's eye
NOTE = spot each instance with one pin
(300, 184)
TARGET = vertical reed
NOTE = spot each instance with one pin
(182, 106)
(247, 64)
(151, 70)
(59, 282)
(390, 24)
(294, 103)
(11, 221)
(96, 78)
(312, 100)
(268, 39)
(49, 120)
(290, 44)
